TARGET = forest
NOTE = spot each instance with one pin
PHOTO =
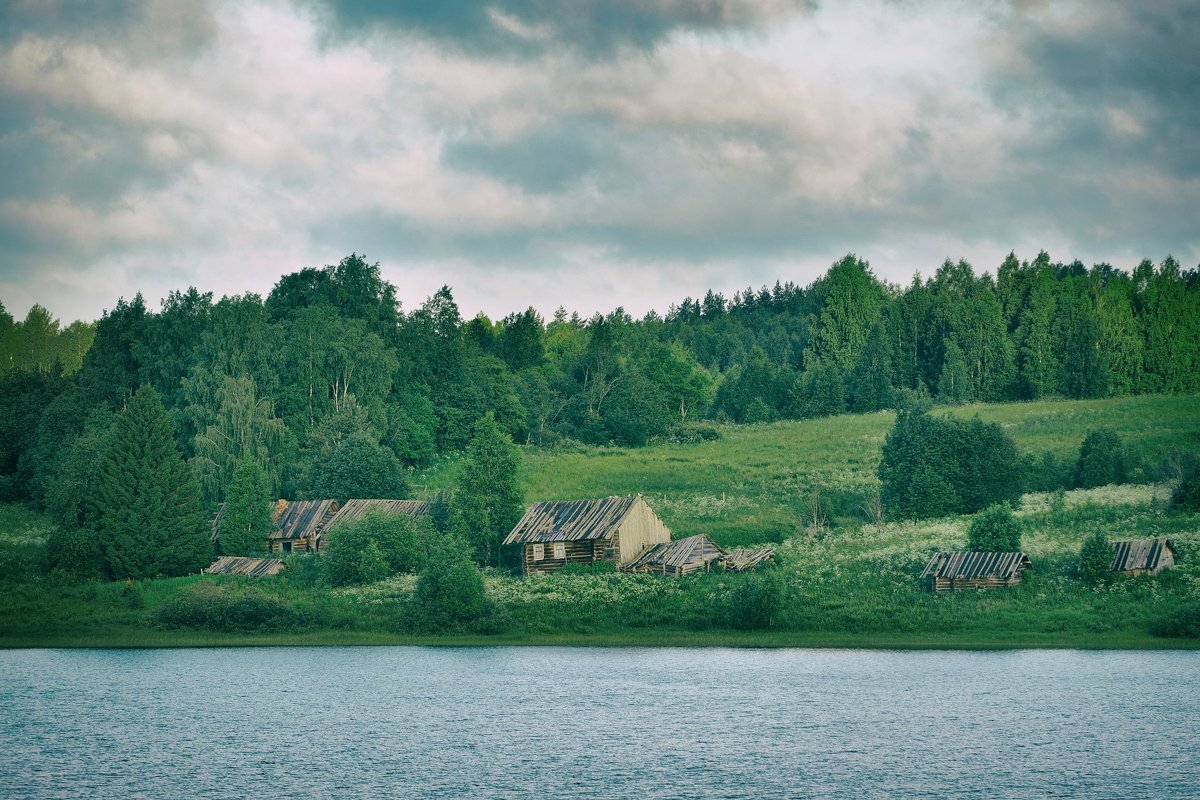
(329, 369)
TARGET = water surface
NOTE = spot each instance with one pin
(597, 723)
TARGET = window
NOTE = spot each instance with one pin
(560, 550)
(539, 552)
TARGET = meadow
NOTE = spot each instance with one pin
(850, 582)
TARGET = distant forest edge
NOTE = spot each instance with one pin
(330, 357)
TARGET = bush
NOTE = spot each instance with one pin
(75, 551)
(1187, 494)
(1183, 622)
(1095, 557)
(227, 608)
(594, 568)
(1101, 460)
(450, 591)
(995, 530)
(372, 548)
(757, 601)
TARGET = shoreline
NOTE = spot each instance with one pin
(148, 639)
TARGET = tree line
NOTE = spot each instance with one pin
(332, 389)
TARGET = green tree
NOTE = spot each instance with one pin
(995, 530)
(352, 550)
(450, 591)
(954, 385)
(1095, 557)
(1186, 496)
(488, 502)
(244, 427)
(147, 500)
(1101, 460)
(358, 467)
(246, 520)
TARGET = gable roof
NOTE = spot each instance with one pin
(235, 565)
(302, 519)
(571, 520)
(357, 509)
(1140, 553)
(972, 564)
(698, 549)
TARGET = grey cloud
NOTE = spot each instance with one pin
(527, 26)
(142, 29)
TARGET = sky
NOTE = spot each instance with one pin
(589, 154)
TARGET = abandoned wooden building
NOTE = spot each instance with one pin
(740, 559)
(235, 565)
(679, 557)
(300, 525)
(1143, 556)
(974, 570)
(558, 532)
(357, 509)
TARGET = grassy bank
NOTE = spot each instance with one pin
(852, 584)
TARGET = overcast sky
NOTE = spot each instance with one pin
(589, 154)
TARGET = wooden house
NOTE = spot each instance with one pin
(357, 509)
(678, 557)
(743, 558)
(1143, 556)
(558, 532)
(974, 570)
(300, 526)
(234, 565)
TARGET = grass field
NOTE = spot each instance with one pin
(852, 584)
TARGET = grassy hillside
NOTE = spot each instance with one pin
(753, 483)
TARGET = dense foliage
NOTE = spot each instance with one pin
(1187, 494)
(374, 547)
(246, 517)
(995, 530)
(488, 503)
(1101, 460)
(450, 591)
(1095, 557)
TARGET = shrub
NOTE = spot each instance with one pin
(995, 530)
(1095, 557)
(1183, 622)
(227, 608)
(757, 601)
(450, 591)
(372, 548)
(75, 551)
(594, 568)
(1187, 494)
(1101, 460)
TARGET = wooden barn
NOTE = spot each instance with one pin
(678, 557)
(974, 570)
(300, 525)
(255, 567)
(357, 509)
(1143, 556)
(557, 532)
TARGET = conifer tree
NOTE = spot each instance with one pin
(147, 499)
(246, 521)
(488, 502)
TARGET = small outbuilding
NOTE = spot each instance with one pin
(357, 509)
(558, 532)
(678, 557)
(1143, 556)
(950, 570)
(255, 567)
(300, 524)
(743, 558)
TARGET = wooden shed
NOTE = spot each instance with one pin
(975, 570)
(678, 557)
(357, 509)
(557, 532)
(1143, 556)
(300, 526)
(235, 565)
(743, 558)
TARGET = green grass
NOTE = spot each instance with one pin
(850, 585)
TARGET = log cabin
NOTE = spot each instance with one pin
(950, 570)
(300, 525)
(679, 557)
(559, 532)
(1143, 556)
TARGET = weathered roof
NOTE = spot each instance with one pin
(971, 564)
(743, 558)
(698, 549)
(569, 520)
(1140, 553)
(234, 565)
(357, 509)
(302, 519)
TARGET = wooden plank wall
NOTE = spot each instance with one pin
(578, 552)
(640, 529)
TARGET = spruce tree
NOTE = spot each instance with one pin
(488, 502)
(246, 521)
(147, 500)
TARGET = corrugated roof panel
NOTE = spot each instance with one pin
(571, 520)
(973, 564)
(1134, 554)
(357, 509)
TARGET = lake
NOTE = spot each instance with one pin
(598, 723)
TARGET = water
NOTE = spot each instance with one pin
(597, 723)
